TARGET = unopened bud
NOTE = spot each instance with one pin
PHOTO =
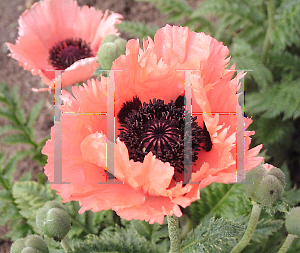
(111, 48)
(30, 244)
(53, 220)
(263, 185)
(292, 221)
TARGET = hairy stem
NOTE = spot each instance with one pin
(287, 243)
(270, 29)
(173, 227)
(66, 246)
(254, 217)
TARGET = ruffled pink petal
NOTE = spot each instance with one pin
(153, 210)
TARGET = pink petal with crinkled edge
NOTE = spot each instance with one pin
(153, 210)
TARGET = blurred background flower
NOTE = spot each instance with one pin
(60, 35)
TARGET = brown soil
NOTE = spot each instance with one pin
(14, 75)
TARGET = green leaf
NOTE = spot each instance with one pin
(2, 157)
(29, 197)
(246, 58)
(16, 138)
(222, 200)
(280, 98)
(12, 163)
(7, 113)
(34, 112)
(122, 240)
(138, 29)
(7, 213)
(287, 24)
(266, 228)
(175, 9)
(151, 232)
(219, 236)
(7, 128)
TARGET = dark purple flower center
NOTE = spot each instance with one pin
(68, 51)
(160, 128)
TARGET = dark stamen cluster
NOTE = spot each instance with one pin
(68, 51)
(159, 128)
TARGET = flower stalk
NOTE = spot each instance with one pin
(173, 227)
(254, 217)
(66, 246)
(287, 243)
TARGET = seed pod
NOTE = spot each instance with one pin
(292, 221)
(53, 220)
(30, 244)
(265, 186)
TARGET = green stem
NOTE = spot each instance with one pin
(173, 227)
(270, 29)
(287, 243)
(66, 246)
(254, 217)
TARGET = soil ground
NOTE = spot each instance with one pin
(12, 74)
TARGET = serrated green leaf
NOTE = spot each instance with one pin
(222, 200)
(9, 212)
(5, 196)
(6, 113)
(34, 113)
(12, 163)
(138, 29)
(280, 98)
(2, 158)
(7, 128)
(16, 138)
(122, 240)
(266, 228)
(246, 58)
(219, 236)
(29, 197)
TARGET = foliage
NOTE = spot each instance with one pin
(219, 236)
(20, 129)
(122, 240)
(138, 29)
(220, 200)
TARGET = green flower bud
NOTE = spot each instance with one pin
(121, 44)
(111, 48)
(107, 53)
(265, 186)
(292, 221)
(110, 38)
(53, 220)
(30, 244)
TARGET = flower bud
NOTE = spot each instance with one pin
(30, 244)
(53, 220)
(265, 184)
(111, 48)
(110, 38)
(292, 221)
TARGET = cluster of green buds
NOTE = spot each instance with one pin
(53, 220)
(30, 244)
(111, 48)
(265, 186)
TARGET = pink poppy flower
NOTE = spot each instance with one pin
(150, 119)
(60, 35)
